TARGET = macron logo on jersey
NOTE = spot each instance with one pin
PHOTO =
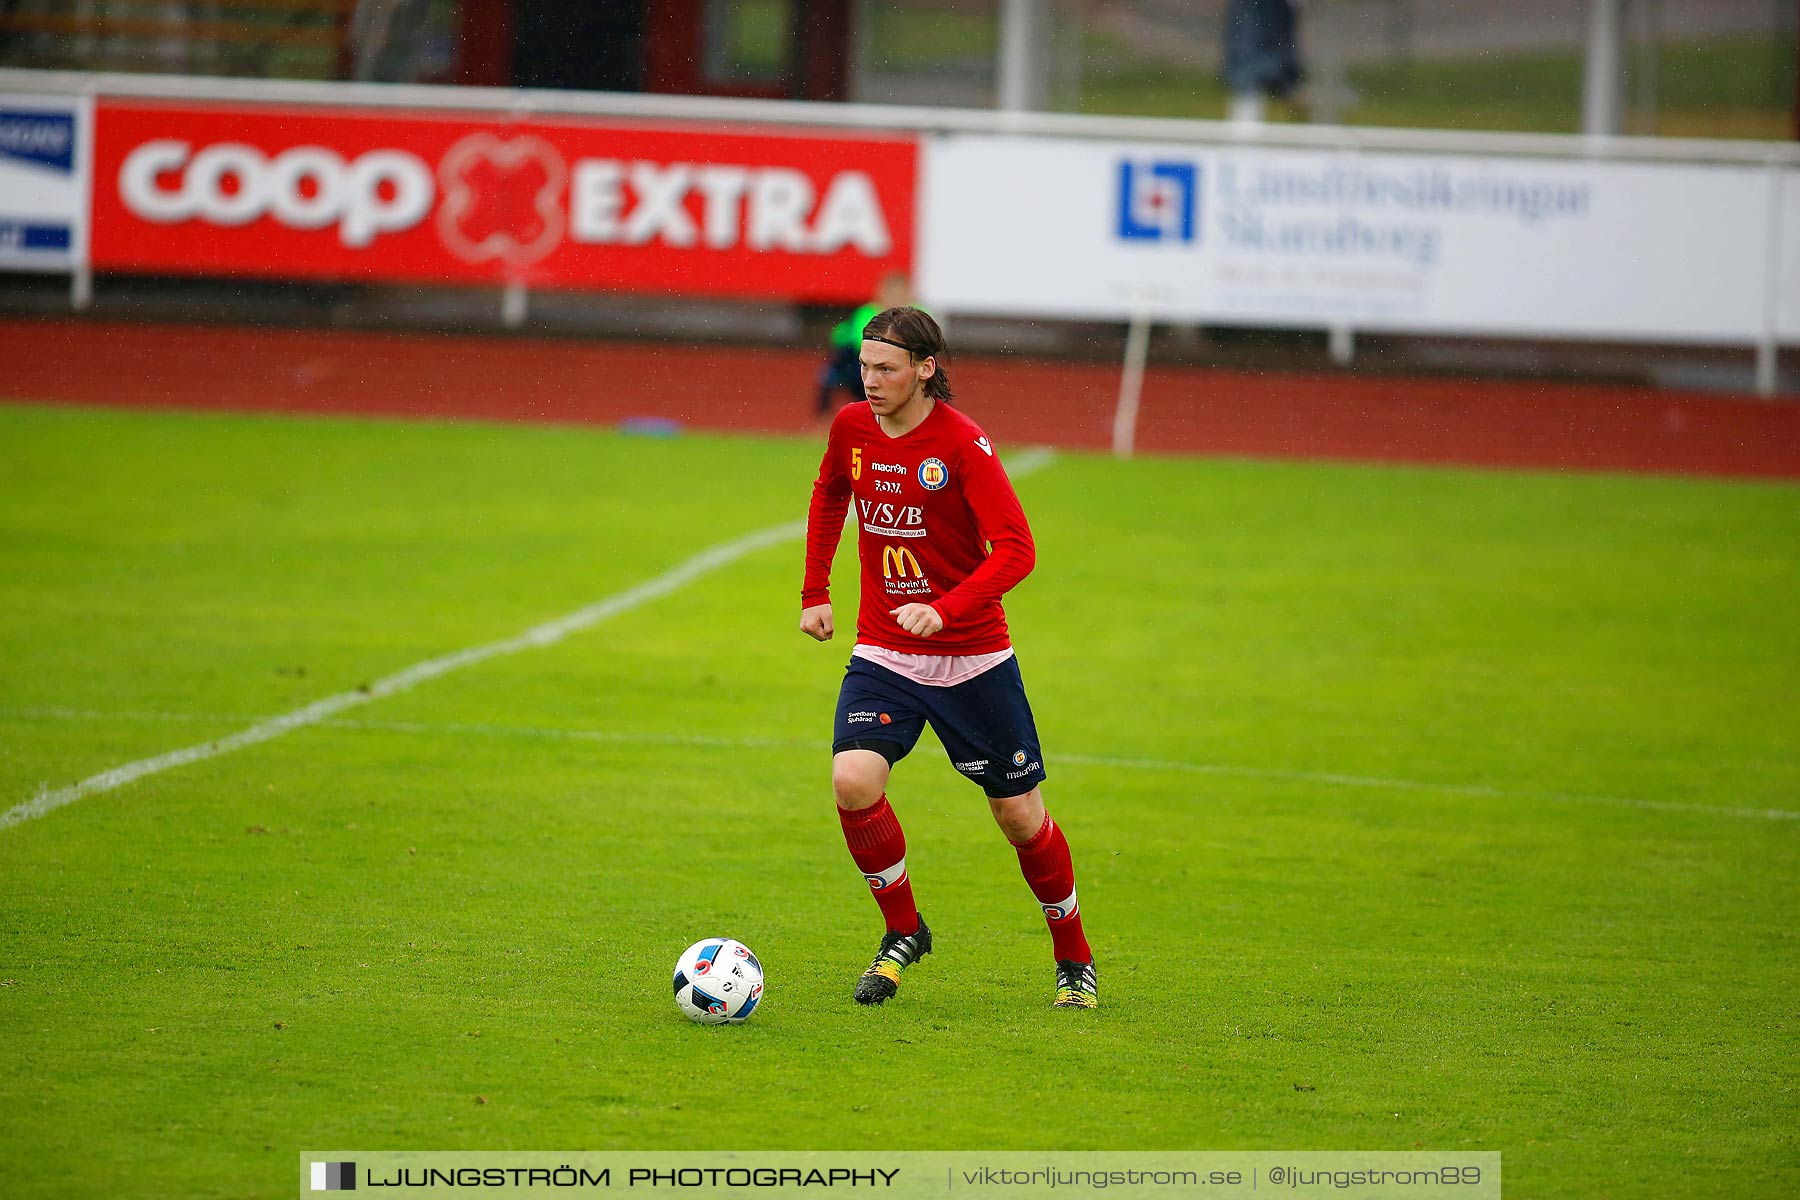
(1158, 201)
(982, 444)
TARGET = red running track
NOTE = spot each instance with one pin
(1185, 410)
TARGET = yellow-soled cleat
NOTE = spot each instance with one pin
(898, 951)
(1075, 985)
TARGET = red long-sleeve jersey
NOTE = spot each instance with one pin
(929, 505)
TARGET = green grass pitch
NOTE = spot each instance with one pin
(1410, 808)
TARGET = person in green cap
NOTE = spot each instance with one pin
(841, 371)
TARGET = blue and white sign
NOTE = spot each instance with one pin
(1156, 200)
(43, 183)
(1426, 242)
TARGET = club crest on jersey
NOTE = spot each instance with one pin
(933, 474)
(1018, 758)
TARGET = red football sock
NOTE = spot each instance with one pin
(1047, 868)
(879, 848)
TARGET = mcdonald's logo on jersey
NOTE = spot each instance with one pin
(899, 562)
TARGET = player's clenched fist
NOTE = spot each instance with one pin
(920, 620)
(815, 622)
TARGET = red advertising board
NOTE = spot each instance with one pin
(364, 194)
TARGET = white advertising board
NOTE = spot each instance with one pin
(43, 182)
(1787, 259)
(1321, 238)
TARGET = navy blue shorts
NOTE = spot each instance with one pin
(985, 723)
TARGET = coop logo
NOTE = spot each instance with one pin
(334, 1177)
(306, 187)
(899, 562)
(508, 199)
(370, 195)
(502, 199)
(1158, 201)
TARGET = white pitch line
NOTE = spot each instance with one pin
(546, 634)
(1329, 778)
(810, 745)
(1419, 785)
(1028, 460)
(580, 735)
(539, 635)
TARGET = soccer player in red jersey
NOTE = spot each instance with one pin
(941, 538)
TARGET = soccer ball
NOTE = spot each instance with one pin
(718, 982)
